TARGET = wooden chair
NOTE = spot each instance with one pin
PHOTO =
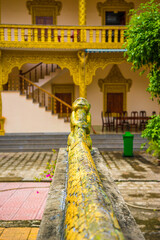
(142, 122)
(119, 121)
(134, 121)
(125, 123)
(107, 121)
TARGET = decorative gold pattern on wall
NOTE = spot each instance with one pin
(44, 8)
(18, 59)
(114, 6)
(101, 60)
(115, 83)
(66, 59)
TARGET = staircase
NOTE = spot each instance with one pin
(38, 76)
(48, 141)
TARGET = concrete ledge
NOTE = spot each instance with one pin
(52, 225)
(52, 221)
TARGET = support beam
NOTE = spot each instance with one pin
(82, 12)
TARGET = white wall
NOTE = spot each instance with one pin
(137, 99)
(22, 116)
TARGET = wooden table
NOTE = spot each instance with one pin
(120, 121)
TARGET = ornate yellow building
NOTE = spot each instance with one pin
(54, 51)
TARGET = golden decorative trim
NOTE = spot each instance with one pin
(114, 6)
(115, 83)
(2, 120)
(82, 12)
(44, 8)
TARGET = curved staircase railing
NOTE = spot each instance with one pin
(44, 98)
(39, 71)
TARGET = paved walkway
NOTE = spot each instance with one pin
(24, 166)
(138, 180)
(22, 201)
(18, 233)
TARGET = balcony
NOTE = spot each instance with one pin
(61, 37)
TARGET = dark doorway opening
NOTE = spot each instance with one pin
(67, 98)
(115, 102)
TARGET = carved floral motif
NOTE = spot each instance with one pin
(115, 76)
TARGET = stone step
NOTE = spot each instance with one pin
(47, 142)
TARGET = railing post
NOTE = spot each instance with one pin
(49, 35)
(122, 36)
(22, 34)
(42, 35)
(55, 35)
(36, 35)
(2, 34)
(62, 35)
(116, 36)
(109, 36)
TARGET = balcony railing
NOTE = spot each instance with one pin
(61, 37)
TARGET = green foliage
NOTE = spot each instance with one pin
(143, 42)
(48, 173)
(154, 84)
(143, 50)
(152, 133)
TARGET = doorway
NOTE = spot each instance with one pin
(115, 102)
(67, 98)
(44, 20)
(118, 18)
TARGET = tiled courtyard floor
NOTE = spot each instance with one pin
(138, 180)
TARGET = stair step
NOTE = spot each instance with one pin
(41, 142)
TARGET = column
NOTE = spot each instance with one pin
(82, 12)
(1, 118)
(83, 90)
(82, 68)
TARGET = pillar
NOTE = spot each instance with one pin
(82, 12)
(82, 73)
(83, 90)
(1, 118)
